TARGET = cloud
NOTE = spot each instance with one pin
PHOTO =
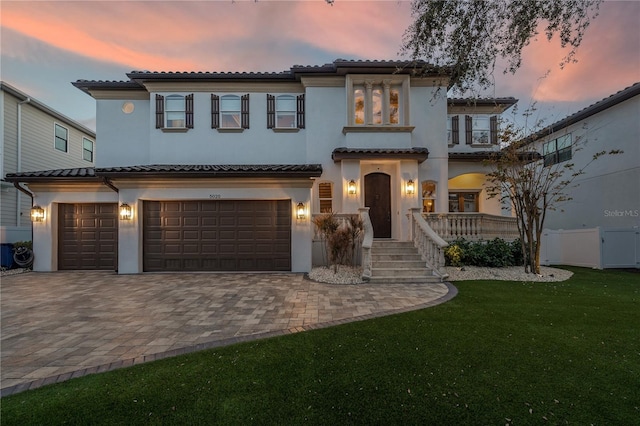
(209, 35)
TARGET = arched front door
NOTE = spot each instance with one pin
(377, 196)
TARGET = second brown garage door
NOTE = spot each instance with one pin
(221, 235)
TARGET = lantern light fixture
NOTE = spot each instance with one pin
(301, 211)
(125, 212)
(351, 187)
(37, 214)
(410, 187)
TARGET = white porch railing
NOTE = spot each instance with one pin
(472, 226)
(367, 242)
(428, 243)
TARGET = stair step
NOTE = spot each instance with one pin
(396, 256)
(399, 264)
(395, 272)
(400, 280)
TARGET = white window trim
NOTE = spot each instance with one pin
(332, 195)
(239, 111)
(294, 111)
(93, 149)
(55, 137)
(378, 80)
(167, 111)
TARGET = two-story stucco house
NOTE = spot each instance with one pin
(34, 137)
(224, 171)
(600, 225)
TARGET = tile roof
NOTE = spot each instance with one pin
(418, 153)
(338, 67)
(169, 170)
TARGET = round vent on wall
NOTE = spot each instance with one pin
(128, 107)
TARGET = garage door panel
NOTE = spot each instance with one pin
(87, 236)
(217, 235)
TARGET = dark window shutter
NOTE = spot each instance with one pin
(215, 111)
(245, 111)
(493, 129)
(468, 123)
(455, 129)
(159, 111)
(188, 109)
(271, 111)
(300, 111)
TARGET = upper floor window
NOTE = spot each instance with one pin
(375, 101)
(174, 112)
(61, 137)
(481, 130)
(325, 196)
(557, 150)
(230, 112)
(87, 149)
(285, 112)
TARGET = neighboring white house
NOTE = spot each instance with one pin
(224, 171)
(600, 225)
(34, 137)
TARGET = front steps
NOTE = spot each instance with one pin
(398, 262)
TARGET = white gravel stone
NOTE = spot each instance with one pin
(350, 275)
(510, 273)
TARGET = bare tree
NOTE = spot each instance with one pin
(522, 180)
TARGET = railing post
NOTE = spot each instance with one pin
(367, 242)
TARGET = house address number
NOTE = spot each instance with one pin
(215, 196)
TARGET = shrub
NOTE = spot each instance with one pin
(496, 253)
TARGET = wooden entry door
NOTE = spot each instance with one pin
(377, 196)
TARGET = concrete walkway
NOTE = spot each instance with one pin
(62, 325)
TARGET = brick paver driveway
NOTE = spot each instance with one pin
(60, 325)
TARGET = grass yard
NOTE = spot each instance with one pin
(499, 353)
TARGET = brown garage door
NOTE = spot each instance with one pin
(88, 236)
(221, 235)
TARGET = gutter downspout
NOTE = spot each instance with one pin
(108, 183)
(19, 161)
(24, 190)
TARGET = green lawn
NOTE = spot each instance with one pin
(499, 353)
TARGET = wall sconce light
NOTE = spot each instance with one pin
(410, 187)
(351, 187)
(37, 214)
(301, 211)
(125, 212)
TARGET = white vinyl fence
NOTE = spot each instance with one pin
(599, 248)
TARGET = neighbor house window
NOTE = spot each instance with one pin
(378, 101)
(428, 196)
(230, 112)
(463, 202)
(481, 130)
(174, 112)
(557, 150)
(61, 138)
(87, 149)
(325, 195)
(285, 112)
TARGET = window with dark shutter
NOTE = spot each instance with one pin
(159, 111)
(245, 111)
(300, 111)
(493, 129)
(271, 111)
(325, 195)
(468, 129)
(189, 111)
(455, 130)
(215, 111)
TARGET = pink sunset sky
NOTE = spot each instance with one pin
(47, 45)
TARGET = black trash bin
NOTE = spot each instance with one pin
(6, 255)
